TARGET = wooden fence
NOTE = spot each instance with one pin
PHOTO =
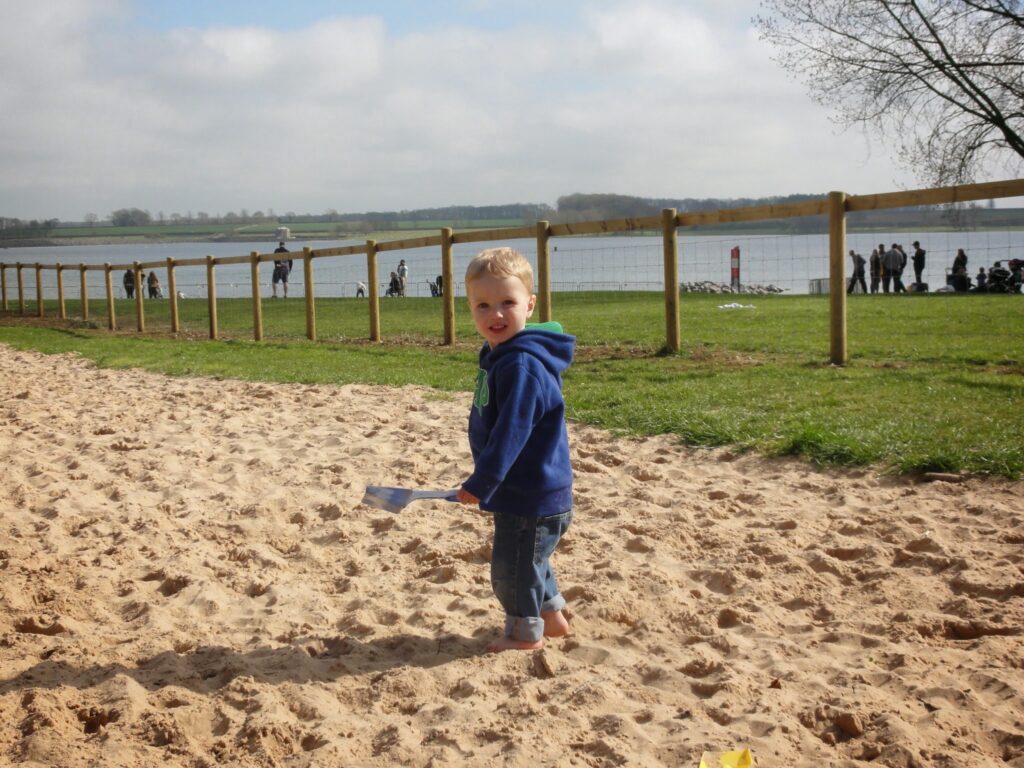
(835, 205)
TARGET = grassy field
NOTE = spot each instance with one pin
(934, 382)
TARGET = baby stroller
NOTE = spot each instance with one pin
(1000, 279)
(1016, 274)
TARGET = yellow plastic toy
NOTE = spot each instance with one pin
(741, 759)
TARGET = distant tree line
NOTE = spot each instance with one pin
(586, 207)
(130, 217)
(570, 208)
(18, 228)
(526, 212)
(595, 207)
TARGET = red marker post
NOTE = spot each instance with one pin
(735, 253)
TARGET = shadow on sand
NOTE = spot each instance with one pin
(208, 668)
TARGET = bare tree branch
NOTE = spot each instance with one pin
(942, 81)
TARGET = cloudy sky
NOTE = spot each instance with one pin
(311, 105)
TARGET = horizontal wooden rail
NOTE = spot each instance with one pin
(754, 213)
(233, 260)
(401, 245)
(490, 235)
(960, 194)
(341, 250)
(599, 227)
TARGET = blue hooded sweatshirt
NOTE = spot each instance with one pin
(517, 425)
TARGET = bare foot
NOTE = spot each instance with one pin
(555, 624)
(508, 644)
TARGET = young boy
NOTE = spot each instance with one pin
(520, 446)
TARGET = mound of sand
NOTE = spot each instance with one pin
(187, 578)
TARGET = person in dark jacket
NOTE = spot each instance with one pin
(858, 273)
(522, 474)
(282, 267)
(892, 262)
(129, 283)
(961, 280)
(875, 264)
(918, 262)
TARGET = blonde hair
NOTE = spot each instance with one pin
(501, 262)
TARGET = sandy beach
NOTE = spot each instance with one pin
(188, 578)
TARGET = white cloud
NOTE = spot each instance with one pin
(659, 40)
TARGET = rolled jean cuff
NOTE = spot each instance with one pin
(528, 629)
(556, 603)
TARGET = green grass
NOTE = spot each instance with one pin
(933, 383)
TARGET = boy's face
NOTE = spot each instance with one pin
(500, 305)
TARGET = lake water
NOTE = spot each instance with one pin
(577, 263)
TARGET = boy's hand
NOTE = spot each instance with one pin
(466, 497)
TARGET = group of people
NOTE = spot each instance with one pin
(399, 280)
(151, 280)
(282, 267)
(998, 278)
(886, 267)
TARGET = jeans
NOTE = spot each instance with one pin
(521, 576)
(897, 282)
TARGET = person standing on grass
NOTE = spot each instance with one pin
(360, 289)
(858, 273)
(282, 267)
(517, 434)
(153, 283)
(918, 262)
(892, 262)
(903, 266)
(886, 277)
(875, 264)
(129, 283)
(403, 277)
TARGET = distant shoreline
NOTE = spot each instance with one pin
(390, 235)
(51, 242)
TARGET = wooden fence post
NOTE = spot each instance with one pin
(111, 315)
(40, 311)
(172, 288)
(257, 304)
(307, 275)
(544, 269)
(211, 295)
(85, 291)
(447, 285)
(21, 288)
(837, 275)
(61, 313)
(140, 312)
(374, 299)
(671, 256)
(3, 287)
